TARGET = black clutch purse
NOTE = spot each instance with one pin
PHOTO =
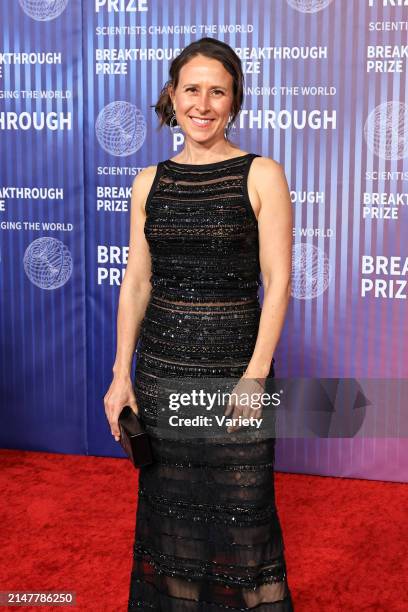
(133, 438)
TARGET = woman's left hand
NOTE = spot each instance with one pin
(245, 400)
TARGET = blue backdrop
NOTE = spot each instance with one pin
(325, 95)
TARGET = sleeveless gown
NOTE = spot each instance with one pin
(208, 536)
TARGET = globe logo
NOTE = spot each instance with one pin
(47, 263)
(120, 128)
(309, 6)
(386, 130)
(310, 271)
(43, 10)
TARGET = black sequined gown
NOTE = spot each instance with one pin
(208, 536)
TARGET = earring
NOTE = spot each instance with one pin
(173, 124)
(228, 126)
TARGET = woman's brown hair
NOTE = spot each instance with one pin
(213, 49)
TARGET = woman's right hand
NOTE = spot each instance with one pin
(119, 394)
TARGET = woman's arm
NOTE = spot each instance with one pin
(135, 288)
(275, 224)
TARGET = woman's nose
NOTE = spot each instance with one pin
(203, 104)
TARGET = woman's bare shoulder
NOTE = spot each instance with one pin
(266, 164)
(143, 181)
(145, 176)
(142, 184)
(267, 173)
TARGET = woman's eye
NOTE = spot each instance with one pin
(216, 91)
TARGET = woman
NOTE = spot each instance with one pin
(203, 226)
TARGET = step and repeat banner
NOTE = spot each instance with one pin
(325, 95)
(42, 232)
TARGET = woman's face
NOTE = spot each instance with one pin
(203, 99)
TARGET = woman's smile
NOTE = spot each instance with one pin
(201, 122)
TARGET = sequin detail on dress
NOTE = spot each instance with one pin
(208, 536)
(202, 233)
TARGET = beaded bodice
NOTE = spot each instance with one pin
(202, 232)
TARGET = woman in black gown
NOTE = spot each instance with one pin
(203, 227)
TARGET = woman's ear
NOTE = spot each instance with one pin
(171, 94)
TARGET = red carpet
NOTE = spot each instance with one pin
(67, 524)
